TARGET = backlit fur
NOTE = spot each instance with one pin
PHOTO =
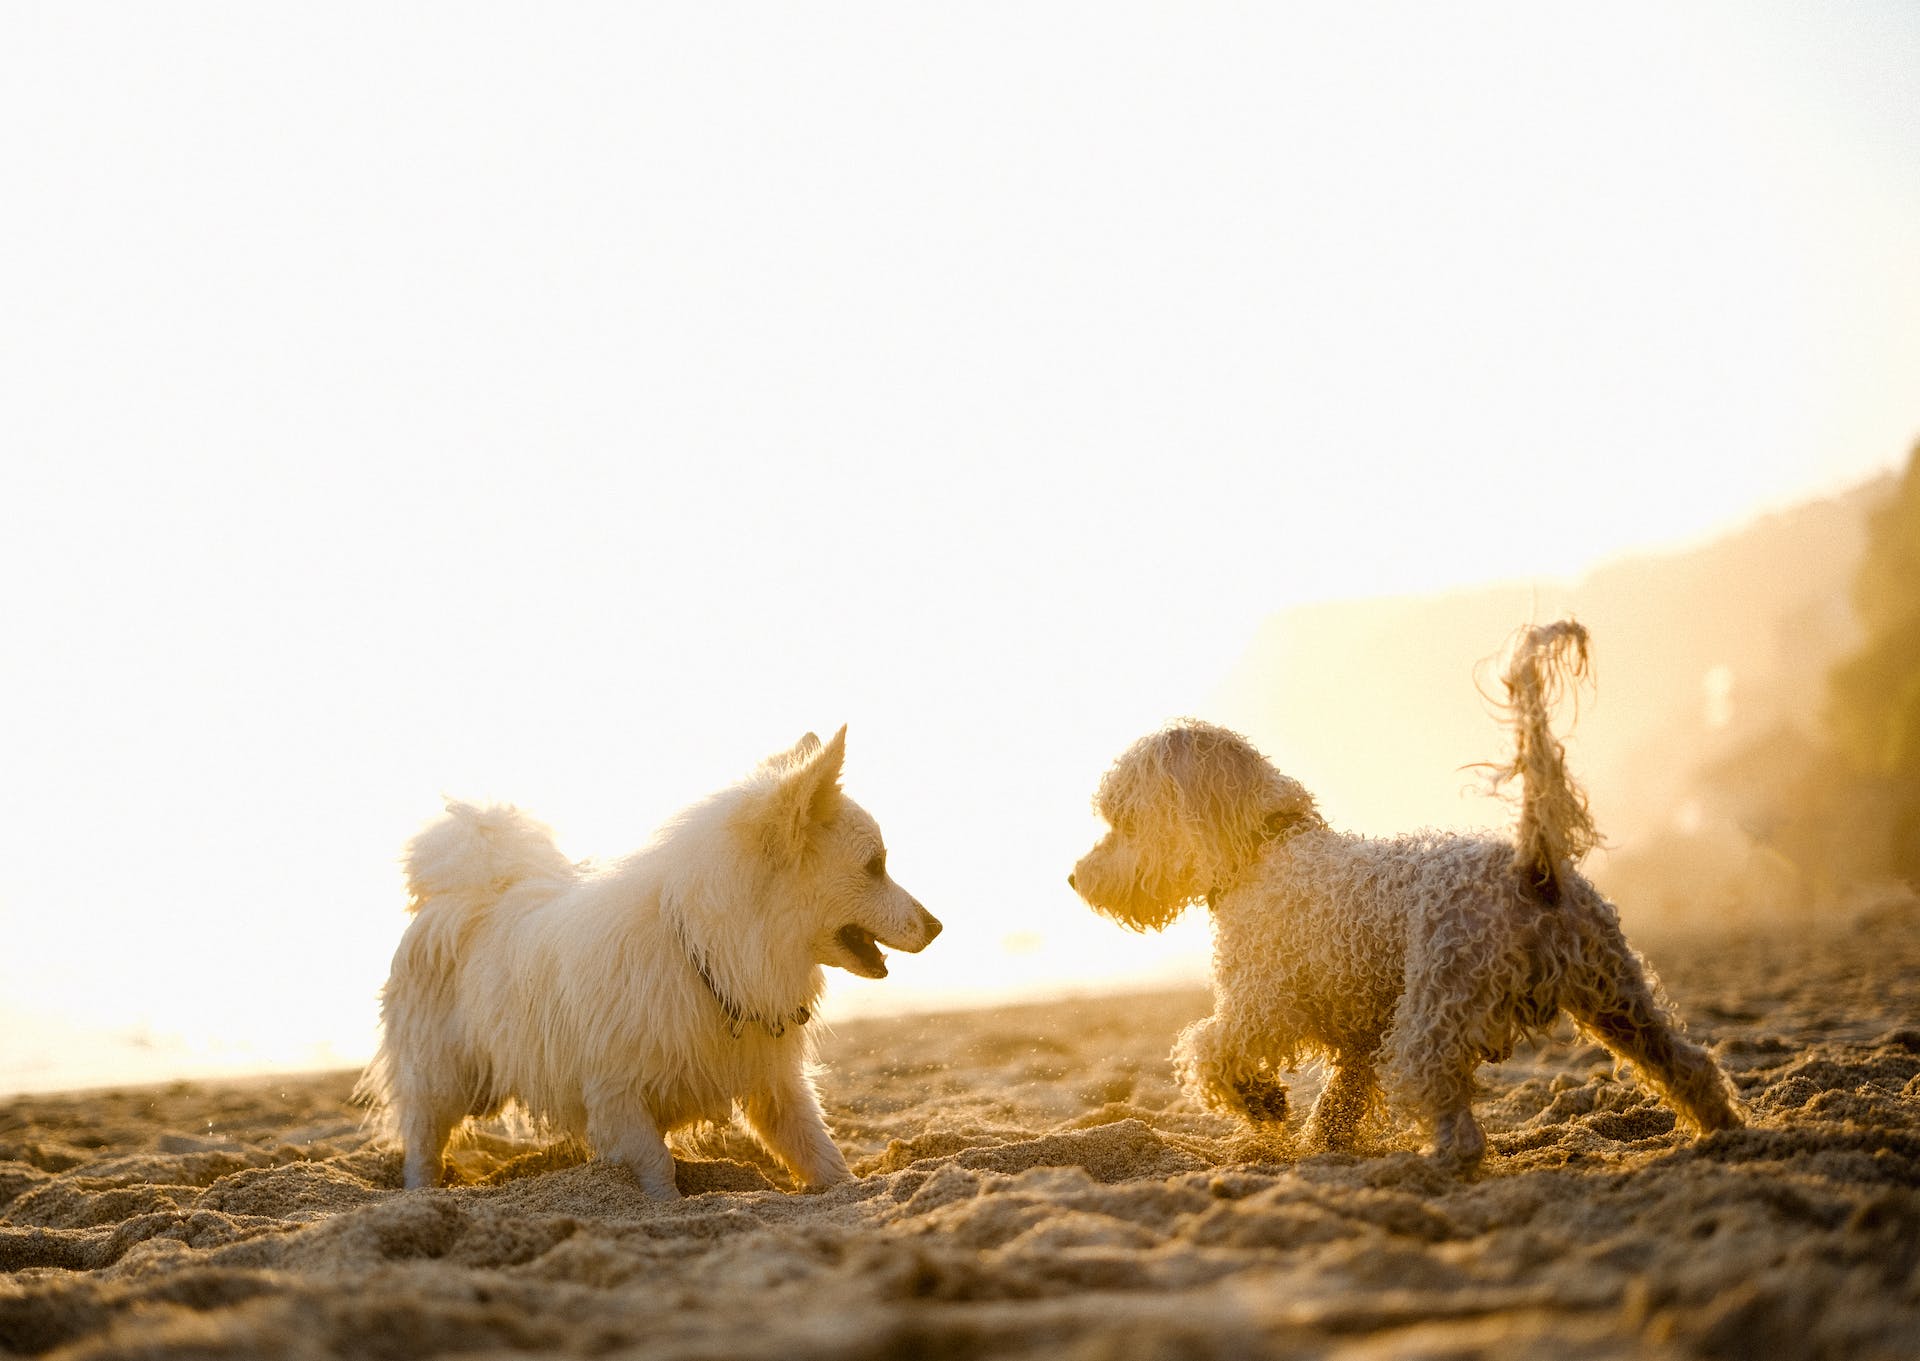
(1401, 963)
(576, 992)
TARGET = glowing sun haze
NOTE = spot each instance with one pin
(574, 405)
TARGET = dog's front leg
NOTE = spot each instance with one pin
(624, 1131)
(423, 1132)
(1218, 1062)
(1351, 1091)
(787, 1118)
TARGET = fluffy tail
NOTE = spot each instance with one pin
(459, 865)
(475, 854)
(1556, 827)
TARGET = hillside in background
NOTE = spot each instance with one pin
(1710, 664)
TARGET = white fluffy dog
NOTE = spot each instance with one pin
(621, 1003)
(1403, 963)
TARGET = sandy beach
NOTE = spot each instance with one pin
(1031, 1184)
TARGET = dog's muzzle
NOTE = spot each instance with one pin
(929, 928)
(863, 946)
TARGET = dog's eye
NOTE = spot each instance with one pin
(877, 867)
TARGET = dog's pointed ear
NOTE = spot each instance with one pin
(806, 794)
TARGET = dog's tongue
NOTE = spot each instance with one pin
(860, 945)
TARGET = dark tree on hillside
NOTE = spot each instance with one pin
(1874, 697)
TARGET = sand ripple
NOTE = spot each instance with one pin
(1031, 1184)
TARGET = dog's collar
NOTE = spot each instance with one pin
(738, 1017)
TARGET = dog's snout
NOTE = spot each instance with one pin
(1070, 883)
(930, 924)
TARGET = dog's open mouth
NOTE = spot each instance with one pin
(859, 943)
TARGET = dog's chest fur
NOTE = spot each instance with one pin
(727, 1070)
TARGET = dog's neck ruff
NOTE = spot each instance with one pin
(738, 1017)
(1274, 833)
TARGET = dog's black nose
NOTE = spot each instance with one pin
(1070, 883)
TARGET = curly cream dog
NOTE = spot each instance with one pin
(1402, 963)
(621, 1003)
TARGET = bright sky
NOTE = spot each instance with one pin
(572, 404)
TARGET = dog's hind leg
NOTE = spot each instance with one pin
(424, 1125)
(787, 1118)
(622, 1130)
(1616, 1004)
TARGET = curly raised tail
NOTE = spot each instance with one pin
(1556, 826)
(477, 852)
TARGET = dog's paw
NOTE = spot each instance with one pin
(656, 1185)
(1262, 1098)
(826, 1183)
(1459, 1144)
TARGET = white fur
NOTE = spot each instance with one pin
(577, 993)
